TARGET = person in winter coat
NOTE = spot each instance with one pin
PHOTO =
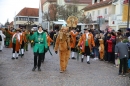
(111, 45)
(96, 48)
(121, 52)
(2, 37)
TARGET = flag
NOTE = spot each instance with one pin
(125, 12)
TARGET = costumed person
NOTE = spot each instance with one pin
(63, 46)
(15, 44)
(40, 42)
(101, 49)
(49, 41)
(2, 37)
(7, 39)
(27, 40)
(121, 52)
(73, 35)
(23, 41)
(88, 42)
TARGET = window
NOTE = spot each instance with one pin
(95, 1)
(105, 10)
(93, 13)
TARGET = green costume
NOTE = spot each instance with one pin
(40, 42)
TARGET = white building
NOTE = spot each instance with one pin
(115, 20)
(46, 3)
(98, 13)
(27, 18)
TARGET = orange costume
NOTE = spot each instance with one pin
(49, 40)
(73, 42)
(86, 42)
(15, 43)
(63, 45)
(23, 41)
(101, 48)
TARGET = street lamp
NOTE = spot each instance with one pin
(99, 17)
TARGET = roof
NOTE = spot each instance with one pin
(43, 1)
(97, 5)
(79, 1)
(11, 23)
(69, 1)
(29, 12)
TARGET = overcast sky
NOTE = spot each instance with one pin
(10, 8)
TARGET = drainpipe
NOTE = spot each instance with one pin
(128, 13)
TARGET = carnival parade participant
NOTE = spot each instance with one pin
(49, 41)
(63, 45)
(23, 41)
(40, 42)
(16, 40)
(2, 37)
(73, 34)
(87, 42)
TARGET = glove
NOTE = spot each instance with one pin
(56, 52)
(46, 49)
(116, 56)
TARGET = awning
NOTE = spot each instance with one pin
(59, 22)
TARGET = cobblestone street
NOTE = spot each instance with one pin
(19, 72)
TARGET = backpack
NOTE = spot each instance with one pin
(0, 38)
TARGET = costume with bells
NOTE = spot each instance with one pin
(87, 43)
(63, 45)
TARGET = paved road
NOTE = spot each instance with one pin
(18, 72)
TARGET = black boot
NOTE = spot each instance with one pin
(13, 58)
(82, 59)
(34, 68)
(39, 69)
(88, 62)
(73, 58)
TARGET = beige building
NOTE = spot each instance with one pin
(45, 4)
(27, 18)
(98, 13)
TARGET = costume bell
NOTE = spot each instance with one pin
(40, 42)
(87, 43)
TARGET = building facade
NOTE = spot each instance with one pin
(50, 7)
(98, 13)
(27, 18)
